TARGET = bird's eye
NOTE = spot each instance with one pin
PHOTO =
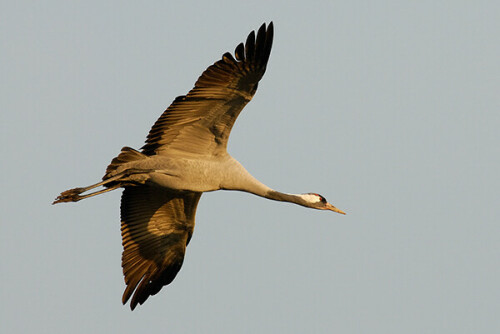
(321, 198)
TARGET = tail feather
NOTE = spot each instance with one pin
(127, 154)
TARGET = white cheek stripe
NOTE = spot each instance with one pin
(310, 198)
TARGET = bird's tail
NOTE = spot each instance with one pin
(127, 154)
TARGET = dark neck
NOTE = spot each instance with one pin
(283, 197)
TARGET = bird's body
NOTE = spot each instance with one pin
(200, 174)
(184, 156)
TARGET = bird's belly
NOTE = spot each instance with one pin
(197, 182)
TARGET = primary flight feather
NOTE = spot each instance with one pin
(184, 156)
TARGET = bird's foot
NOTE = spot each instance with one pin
(72, 195)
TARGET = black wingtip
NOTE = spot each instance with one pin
(239, 52)
(270, 26)
(250, 46)
(256, 46)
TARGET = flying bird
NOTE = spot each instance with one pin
(184, 156)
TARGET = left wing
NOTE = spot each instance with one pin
(157, 225)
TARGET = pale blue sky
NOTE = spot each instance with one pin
(390, 109)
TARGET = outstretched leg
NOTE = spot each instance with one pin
(73, 195)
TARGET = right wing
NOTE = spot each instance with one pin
(199, 123)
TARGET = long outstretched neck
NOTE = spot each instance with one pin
(238, 178)
(257, 188)
(284, 197)
(260, 189)
(246, 182)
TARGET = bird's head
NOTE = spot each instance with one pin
(316, 201)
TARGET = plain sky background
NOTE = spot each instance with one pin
(390, 109)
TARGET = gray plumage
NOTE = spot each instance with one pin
(184, 156)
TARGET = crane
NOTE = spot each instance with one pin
(184, 156)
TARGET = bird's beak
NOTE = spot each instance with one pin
(334, 209)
